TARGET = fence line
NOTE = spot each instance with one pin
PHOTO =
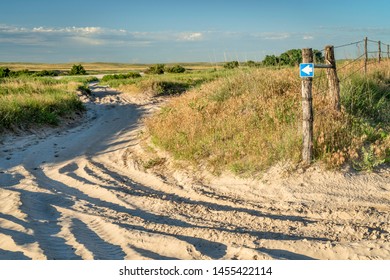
(332, 87)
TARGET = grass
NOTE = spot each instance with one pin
(27, 101)
(248, 121)
(167, 84)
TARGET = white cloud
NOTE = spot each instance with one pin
(275, 36)
(73, 29)
(90, 35)
(193, 36)
(308, 37)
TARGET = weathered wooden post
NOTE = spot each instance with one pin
(388, 51)
(333, 81)
(307, 109)
(365, 55)
(379, 52)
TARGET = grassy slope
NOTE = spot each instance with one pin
(249, 121)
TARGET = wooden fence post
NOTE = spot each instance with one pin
(365, 55)
(307, 109)
(379, 52)
(388, 51)
(333, 81)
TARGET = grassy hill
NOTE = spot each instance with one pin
(248, 121)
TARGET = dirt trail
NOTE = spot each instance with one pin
(80, 194)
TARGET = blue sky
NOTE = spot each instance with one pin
(151, 31)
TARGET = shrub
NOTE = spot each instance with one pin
(130, 75)
(77, 70)
(231, 65)
(156, 69)
(251, 63)
(45, 73)
(4, 72)
(175, 69)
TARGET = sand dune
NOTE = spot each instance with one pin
(78, 193)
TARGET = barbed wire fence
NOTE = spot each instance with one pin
(368, 53)
(328, 81)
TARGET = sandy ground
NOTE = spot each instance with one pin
(82, 193)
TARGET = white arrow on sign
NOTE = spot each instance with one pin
(307, 70)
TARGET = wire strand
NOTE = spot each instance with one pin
(349, 44)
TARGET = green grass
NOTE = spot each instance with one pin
(167, 84)
(27, 101)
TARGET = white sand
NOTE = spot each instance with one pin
(80, 193)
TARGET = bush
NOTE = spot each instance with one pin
(45, 73)
(24, 72)
(231, 65)
(4, 72)
(156, 69)
(175, 69)
(77, 70)
(251, 63)
(130, 75)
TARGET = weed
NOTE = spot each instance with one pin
(153, 162)
(370, 158)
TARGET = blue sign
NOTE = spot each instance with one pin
(306, 70)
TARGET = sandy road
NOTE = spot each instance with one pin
(77, 193)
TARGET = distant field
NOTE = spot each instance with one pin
(95, 67)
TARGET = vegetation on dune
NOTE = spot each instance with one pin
(130, 75)
(25, 101)
(227, 123)
(250, 120)
(167, 84)
(159, 69)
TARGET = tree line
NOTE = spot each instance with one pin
(291, 57)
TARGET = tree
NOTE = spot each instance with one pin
(77, 70)
(291, 58)
(318, 57)
(270, 60)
